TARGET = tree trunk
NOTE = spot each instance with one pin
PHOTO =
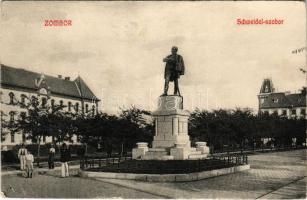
(122, 149)
(38, 150)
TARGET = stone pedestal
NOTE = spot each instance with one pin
(171, 140)
(171, 123)
(202, 146)
(142, 148)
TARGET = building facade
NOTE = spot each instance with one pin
(281, 103)
(19, 85)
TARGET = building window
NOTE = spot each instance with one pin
(275, 100)
(303, 112)
(266, 90)
(93, 110)
(61, 104)
(284, 112)
(293, 112)
(23, 138)
(44, 102)
(12, 116)
(1, 93)
(52, 103)
(78, 139)
(86, 108)
(23, 115)
(23, 99)
(69, 106)
(11, 94)
(34, 101)
(77, 107)
(12, 137)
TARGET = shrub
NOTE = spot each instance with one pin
(9, 156)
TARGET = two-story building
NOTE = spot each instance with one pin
(19, 85)
(282, 103)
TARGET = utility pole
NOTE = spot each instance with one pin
(304, 71)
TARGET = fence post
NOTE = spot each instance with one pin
(81, 163)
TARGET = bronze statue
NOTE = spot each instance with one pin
(173, 69)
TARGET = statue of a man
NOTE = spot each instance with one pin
(173, 69)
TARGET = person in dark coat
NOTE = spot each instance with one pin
(173, 69)
(65, 157)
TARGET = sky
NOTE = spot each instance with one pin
(118, 47)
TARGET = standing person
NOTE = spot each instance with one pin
(29, 164)
(65, 156)
(51, 155)
(22, 156)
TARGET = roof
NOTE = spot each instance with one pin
(283, 100)
(17, 77)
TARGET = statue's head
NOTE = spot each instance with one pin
(174, 50)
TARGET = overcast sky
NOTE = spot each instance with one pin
(118, 47)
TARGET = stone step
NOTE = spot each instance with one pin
(197, 156)
(195, 153)
(156, 150)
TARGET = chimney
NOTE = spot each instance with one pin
(67, 78)
(60, 76)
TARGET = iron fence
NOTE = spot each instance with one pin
(127, 165)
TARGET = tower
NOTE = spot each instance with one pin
(266, 89)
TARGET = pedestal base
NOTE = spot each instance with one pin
(178, 152)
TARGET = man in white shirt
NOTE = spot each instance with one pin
(22, 156)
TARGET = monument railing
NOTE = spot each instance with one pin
(95, 162)
(127, 165)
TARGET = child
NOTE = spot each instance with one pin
(29, 164)
(51, 157)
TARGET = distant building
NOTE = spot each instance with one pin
(19, 85)
(281, 103)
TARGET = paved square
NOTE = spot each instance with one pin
(272, 175)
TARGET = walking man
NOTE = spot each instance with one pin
(22, 156)
(65, 156)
